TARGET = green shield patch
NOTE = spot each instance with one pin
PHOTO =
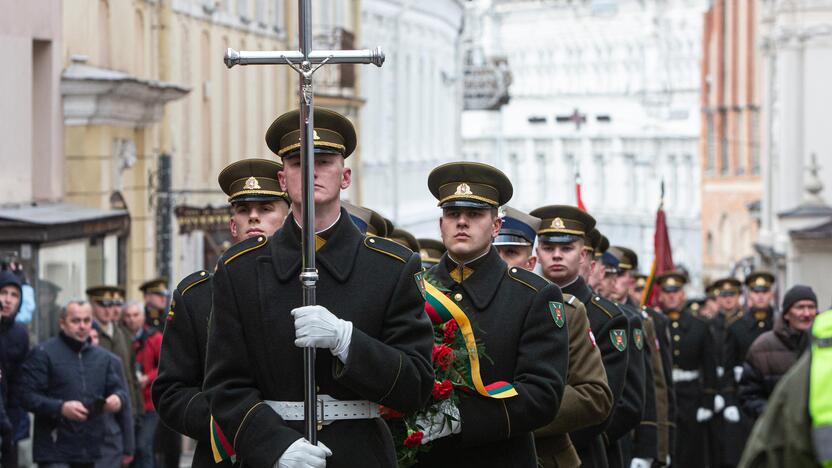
(619, 339)
(638, 339)
(556, 309)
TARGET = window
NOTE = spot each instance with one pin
(277, 15)
(755, 141)
(740, 143)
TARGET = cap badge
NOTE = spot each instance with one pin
(463, 189)
(671, 282)
(760, 281)
(557, 223)
(315, 135)
(252, 184)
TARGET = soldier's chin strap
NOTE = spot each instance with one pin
(820, 381)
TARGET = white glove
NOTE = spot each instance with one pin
(737, 373)
(732, 414)
(641, 463)
(720, 371)
(443, 423)
(302, 454)
(704, 414)
(719, 403)
(317, 327)
(667, 461)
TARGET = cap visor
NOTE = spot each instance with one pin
(559, 238)
(466, 204)
(508, 239)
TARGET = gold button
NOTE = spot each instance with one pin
(372, 241)
(458, 297)
(514, 270)
(202, 273)
(761, 324)
(676, 352)
(260, 239)
(675, 324)
(676, 338)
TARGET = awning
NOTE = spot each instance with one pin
(52, 222)
(820, 231)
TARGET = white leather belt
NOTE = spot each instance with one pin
(329, 409)
(681, 375)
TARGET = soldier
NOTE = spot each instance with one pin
(155, 293)
(518, 317)
(693, 372)
(431, 251)
(119, 434)
(370, 323)
(258, 208)
(587, 398)
(758, 319)
(630, 413)
(657, 342)
(734, 428)
(598, 245)
(560, 250)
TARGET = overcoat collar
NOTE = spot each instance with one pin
(337, 256)
(482, 285)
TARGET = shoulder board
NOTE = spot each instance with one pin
(242, 248)
(192, 280)
(528, 278)
(388, 247)
(572, 301)
(606, 306)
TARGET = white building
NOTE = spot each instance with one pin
(411, 120)
(605, 89)
(796, 220)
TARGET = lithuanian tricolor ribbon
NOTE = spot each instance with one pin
(219, 444)
(441, 309)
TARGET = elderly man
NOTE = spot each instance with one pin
(70, 386)
(147, 344)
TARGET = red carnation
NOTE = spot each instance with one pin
(443, 356)
(389, 413)
(442, 390)
(451, 328)
(414, 439)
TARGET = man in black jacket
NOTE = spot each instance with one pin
(370, 323)
(259, 206)
(69, 384)
(518, 316)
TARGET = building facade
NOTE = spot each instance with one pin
(731, 143)
(411, 120)
(796, 220)
(602, 91)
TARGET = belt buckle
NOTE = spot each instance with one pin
(320, 404)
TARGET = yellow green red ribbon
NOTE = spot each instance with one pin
(441, 309)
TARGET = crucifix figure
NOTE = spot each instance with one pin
(305, 62)
(575, 117)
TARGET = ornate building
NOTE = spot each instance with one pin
(796, 220)
(410, 122)
(604, 89)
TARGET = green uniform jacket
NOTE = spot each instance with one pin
(121, 345)
(782, 437)
(513, 315)
(252, 356)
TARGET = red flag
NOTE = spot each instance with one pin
(579, 200)
(662, 259)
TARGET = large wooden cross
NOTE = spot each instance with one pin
(305, 62)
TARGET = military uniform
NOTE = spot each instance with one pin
(630, 410)
(565, 224)
(728, 437)
(254, 371)
(662, 348)
(154, 316)
(518, 317)
(366, 220)
(587, 399)
(693, 377)
(177, 391)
